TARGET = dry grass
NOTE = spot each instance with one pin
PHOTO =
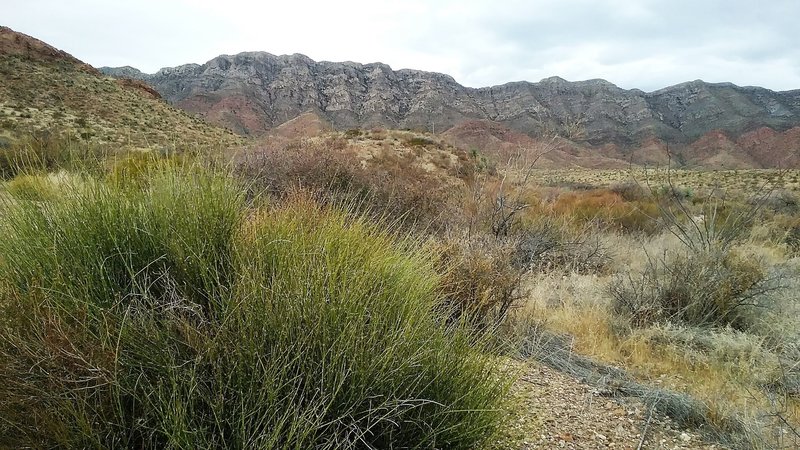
(608, 209)
(741, 376)
(742, 180)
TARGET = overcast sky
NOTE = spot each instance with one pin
(646, 44)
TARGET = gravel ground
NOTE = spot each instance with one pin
(562, 412)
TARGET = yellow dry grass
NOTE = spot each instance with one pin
(742, 180)
(730, 376)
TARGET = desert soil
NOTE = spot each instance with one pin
(562, 412)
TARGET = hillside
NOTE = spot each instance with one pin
(43, 88)
(254, 92)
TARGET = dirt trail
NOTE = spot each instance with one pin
(562, 412)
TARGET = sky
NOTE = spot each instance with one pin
(644, 44)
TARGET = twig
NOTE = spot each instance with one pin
(647, 425)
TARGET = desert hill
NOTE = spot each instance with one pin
(43, 88)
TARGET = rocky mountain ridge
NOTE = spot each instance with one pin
(254, 92)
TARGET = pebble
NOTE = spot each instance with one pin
(563, 417)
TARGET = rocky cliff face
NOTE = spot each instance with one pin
(254, 92)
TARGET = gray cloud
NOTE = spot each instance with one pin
(645, 44)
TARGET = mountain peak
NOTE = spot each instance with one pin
(553, 80)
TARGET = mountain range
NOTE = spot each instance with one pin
(257, 95)
(705, 124)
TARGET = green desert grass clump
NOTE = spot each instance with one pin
(177, 315)
(46, 151)
(31, 187)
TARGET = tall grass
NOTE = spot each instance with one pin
(171, 314)
(48, 150)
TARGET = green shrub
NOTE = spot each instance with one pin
(31, 187)
(172, 315)
(380, 298)
(137, 167)
(101, 243)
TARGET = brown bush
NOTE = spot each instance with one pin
(416, 141)
(484, 272)
(609, 209)
(630, 191)
(792, 238)
(482, 278)
(699, 289)
(389, 185)
(780, 201)
(548, 243)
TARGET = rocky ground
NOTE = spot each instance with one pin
(562, 412)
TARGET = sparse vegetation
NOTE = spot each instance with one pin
(697, 289)
(378, 180)
(93, 109)
(701, 279)
(152, 250)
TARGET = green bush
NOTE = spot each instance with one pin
(137, 167)
(173, 315)
(31, 187)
